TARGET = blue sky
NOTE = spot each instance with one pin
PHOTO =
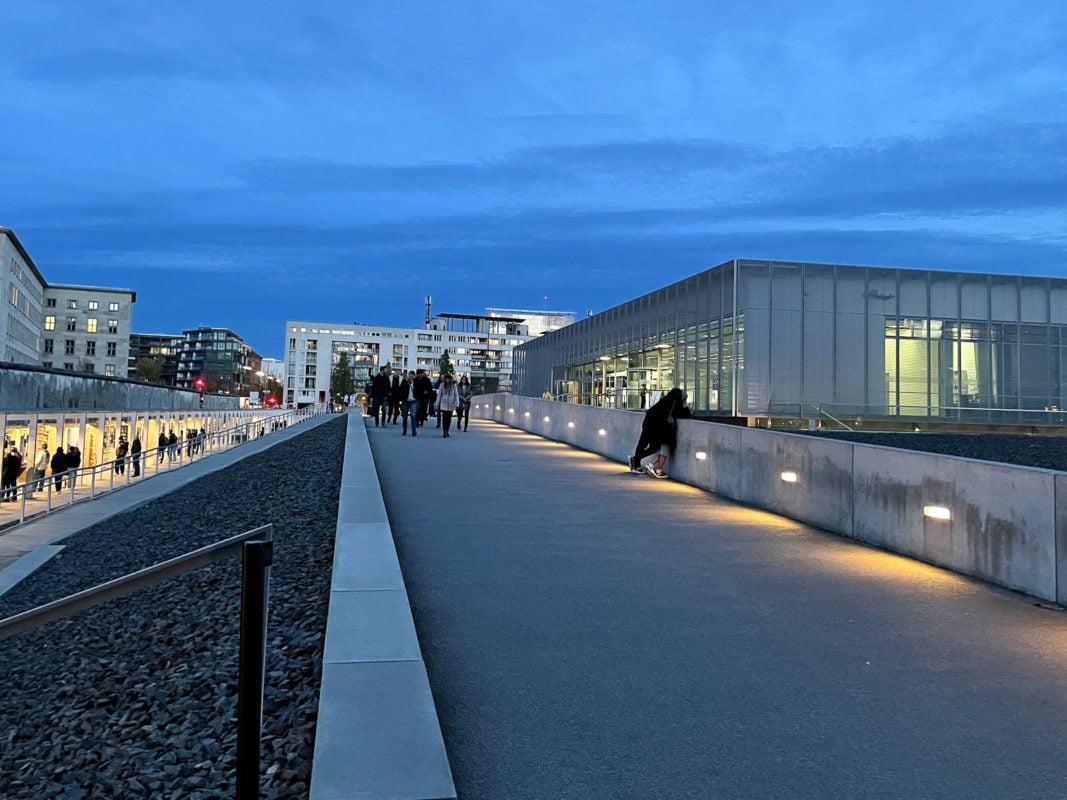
(240, 164)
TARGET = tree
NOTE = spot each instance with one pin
(149, 370)
(341, 381)
(444, 364)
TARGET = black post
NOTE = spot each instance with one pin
(257, 558)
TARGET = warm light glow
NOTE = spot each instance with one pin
(789, 477)
(702, 456)
(526, 413)
(569, 424)
(937, 512)
(602, 432)
(605, 358)
(548, 419)
(511, 410)
(498, 408)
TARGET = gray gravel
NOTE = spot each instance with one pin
(137, 698)
(1045, 452)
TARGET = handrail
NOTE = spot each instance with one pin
(127, 584)
(820, 410)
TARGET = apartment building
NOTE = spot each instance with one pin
(87, 329)
(22, 286)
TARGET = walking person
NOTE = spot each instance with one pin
(162, 446)
(379, 394)
(40, 468)
(424, 394)
(396, 397)
(59, 467)
(447, 401)
(10, 468)
(463, 410)
(74, 460)
(120, 456)
(135, 455)
(410, 405)
(659, 433)
(172, 446)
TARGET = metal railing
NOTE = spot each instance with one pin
(256, 547)
(64, 489)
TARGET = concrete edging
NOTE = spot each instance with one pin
(378, 735)
(1003, 518)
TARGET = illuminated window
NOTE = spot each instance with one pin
(90, 325)
(50, 323)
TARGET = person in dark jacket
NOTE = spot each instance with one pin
(9, 473)
(59, 467)
(424, 394)
(135, 455)
(397, 395)
(659, 432)
(379, 393)
(74, 460)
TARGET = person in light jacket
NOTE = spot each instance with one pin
(447, 401)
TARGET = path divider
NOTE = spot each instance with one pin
(378, 734)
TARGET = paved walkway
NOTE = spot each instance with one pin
(592, 634)
(46, 530)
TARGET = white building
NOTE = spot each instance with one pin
(76, 328)
(478, 345)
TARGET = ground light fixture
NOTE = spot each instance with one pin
(937, 512)
(701, 455)
(511, 410)
(526, 413)
(548, 419)
(789, 477)
(570, 424)
(498, 408)
(602, 432)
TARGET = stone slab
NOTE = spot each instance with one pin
(26, 566)
(361, 504)
(365, 559)
(370, 626)
(378, 736)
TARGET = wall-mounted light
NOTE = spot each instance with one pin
(605, 358)
(701, 455)
(602, 432)
(526, 413)
(511, 410)
(498, 408)
(789, 477)
(548, 419)
(570, 424)
(937, 512)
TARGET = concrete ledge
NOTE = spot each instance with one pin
(378, 735)
(11, 575)
(1008, 524)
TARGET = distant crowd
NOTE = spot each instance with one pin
(411, 398)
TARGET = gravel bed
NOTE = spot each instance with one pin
(138, 697)
(1045, 452)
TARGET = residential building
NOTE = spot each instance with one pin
(222, 358)
(162, 347)
(87, 329)
(771, 342)
(478, 345)
(537, 322)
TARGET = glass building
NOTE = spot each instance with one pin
(776, 342)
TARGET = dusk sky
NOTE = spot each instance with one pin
(240, 164)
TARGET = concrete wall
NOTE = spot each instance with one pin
(38, 389)
(1008, 524)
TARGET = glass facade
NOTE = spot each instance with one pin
(787, 340)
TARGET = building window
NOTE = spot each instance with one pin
(113, 306)
(50, 302)
(112, 348)
(309, 369)
(46, 364)
(109, 370)
(88, 366)
(72, 323)
(313, 344)
(72, 304)
(14, 295)
(50, 322)
(69, 365)
(112, 326)
(90, 348)
(90, 325)
(49, 344)
(68, 347)
(309, 383)
(93, 305)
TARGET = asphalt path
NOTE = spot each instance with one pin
(594, 634)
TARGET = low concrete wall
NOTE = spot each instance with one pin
(38, 389)
(377, 734)
(1008, 524)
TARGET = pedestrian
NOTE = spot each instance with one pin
(10, 468)
(172, 446)
(397, 388)
(201, 440)
(59, 467)
(120, 456)
(40, 468)
(162, 446)
(424, 394)
(135, 455)
(546, 395)
(409, 406)
(74, 460)
(463, 410)
(379, 394)
(433, 401)
(447, 400)
(659, 433)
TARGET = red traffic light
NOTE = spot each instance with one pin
(272, 401)
(198, 383)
